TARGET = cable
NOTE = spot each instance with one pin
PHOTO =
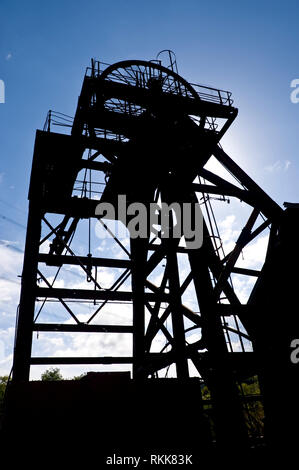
(10, 245)
(12, 206)
(8, 219)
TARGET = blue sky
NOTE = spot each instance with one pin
(249, 48)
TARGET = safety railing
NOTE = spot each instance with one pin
(206, 93)
(54, 118)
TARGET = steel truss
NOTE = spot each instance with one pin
(148, 134)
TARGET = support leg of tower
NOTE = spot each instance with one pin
(23, 343)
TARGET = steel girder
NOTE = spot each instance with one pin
(149, 134)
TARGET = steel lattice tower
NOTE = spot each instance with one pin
(148, 134)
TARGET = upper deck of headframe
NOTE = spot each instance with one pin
(204, 92)
(118, 104)
(127, 87)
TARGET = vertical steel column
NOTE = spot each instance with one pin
(138, 258)
(23, 341)
(176, 313)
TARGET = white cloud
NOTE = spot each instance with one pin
(278, 166)
(96, 344)
(10, 267)
(5, 365)
(243, 286)
(286, 164)
(8, 56)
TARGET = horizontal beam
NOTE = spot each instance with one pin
(58, 260)
(80, 360)
(246, 272)
(94, 165)
(226, 189)
(82, 328)
(90, 294)
(156, 361)
(73, 207)
(238, 361)
(102, 144)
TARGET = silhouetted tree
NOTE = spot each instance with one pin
(52, 374)
(3, 384)
(79, 377)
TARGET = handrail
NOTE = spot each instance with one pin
(56, 118)
(206, 93)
